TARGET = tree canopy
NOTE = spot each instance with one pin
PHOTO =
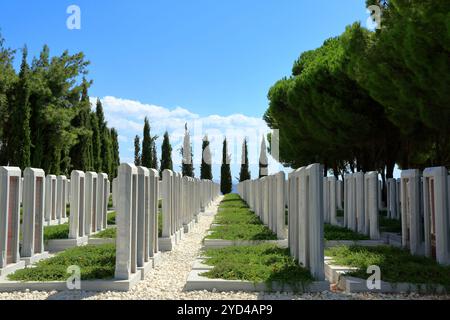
(46, 119)
(366, 100)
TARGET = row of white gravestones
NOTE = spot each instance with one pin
(89, 195)
(425, 213)
(333, 190)
(56, 199)
(266, 198)
(361, 203)
(137, 212)
(330, 199)
(306, 218)
(38, 192)
(183, 198)
(137, 219)
(393, 199)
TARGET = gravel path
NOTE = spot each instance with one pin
(168, 279)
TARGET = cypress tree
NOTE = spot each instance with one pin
(244, 174)
(166, 154)
(154, 157)
(96, 144)
(225, 171)
(146, 157)
(137, 151)
(205, 169)
(115, 152)
(20, 139)
(81, 154)
(105, 139)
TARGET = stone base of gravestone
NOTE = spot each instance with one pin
(179, 235)
(87, 285)
(148, 266)
(11, 268)
(63, 220)
(156, 259)
(35, 258)
(166, 244)
(357, 285)
(100, 241)
(188, 227)
(283, 234)
(58, 245)
(196, 281)
(54, 223)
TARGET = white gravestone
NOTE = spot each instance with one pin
(77, 205)
(50, 200)
(127, 203)
(9, 220)
(91, 194)
(412, 214)
(437, 214)
(371, 204)
(33, 216)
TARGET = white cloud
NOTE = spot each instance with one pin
(127, 116)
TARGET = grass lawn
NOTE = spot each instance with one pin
(338, 233)
(111, 218)
(95, 262)
(56, 232)
(237, 222)
(109, 233)
(390, 225)
(262, 263)
(112, 221)
(397, 265)
(110, 202)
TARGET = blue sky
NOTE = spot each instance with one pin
(211, 61)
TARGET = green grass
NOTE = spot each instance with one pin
(112, 221)
(95, 262)
(338, 233)
(109, 233)
(111, 218)
(56, 232)
(160, 224)
(390, 225)
(237, 222)
(262, 263)
(397, 265)
(110, 202)
(242, 232)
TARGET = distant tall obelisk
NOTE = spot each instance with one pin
(263, 160)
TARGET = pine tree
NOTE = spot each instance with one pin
(137, 151)
(244, 174)
(205, 169)
(225, 171)
(146, 157)
(166, 154)
(115, 152)
(20, 138)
